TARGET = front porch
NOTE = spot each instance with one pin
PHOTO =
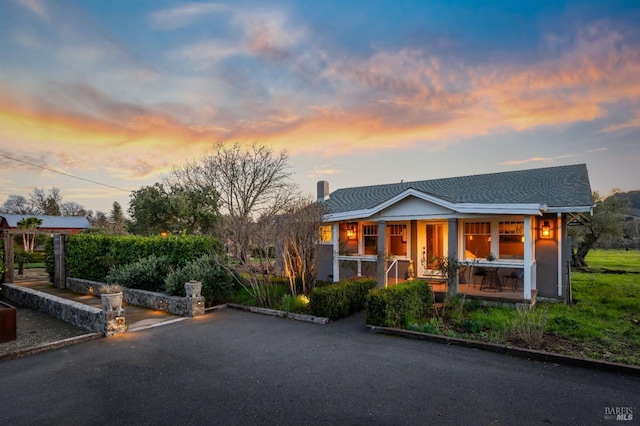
(475, 291)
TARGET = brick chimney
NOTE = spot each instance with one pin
(323, 190)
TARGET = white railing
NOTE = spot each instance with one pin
(386, 274)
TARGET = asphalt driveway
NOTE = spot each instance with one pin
(232, 367)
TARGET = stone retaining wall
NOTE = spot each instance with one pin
(78, 314)
(183, 306)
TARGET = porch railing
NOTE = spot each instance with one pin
(386, 274)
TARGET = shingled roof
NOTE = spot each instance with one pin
(556, 187)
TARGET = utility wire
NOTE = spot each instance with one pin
(64, 174)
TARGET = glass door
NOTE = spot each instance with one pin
(434, 245)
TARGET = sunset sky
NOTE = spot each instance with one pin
(358, 92)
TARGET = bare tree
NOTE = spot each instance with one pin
(299, 231)
(71, 208)
(253, 184)
(253, 187)
(46, 203)
(17, 204)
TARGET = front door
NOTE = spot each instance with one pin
(434, 247)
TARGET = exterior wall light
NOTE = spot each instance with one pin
(351, 232)
(546, 230)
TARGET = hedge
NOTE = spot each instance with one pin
(341, 299)
(91, 256)
(396, 306)
(217, 282)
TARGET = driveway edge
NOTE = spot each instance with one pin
(280, 314)
(49, 346)
(510, 350)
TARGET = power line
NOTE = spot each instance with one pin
(64, 174)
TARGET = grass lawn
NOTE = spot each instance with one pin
(614, 260)
(603, 323)
(30, 266)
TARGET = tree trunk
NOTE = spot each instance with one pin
(577, 258)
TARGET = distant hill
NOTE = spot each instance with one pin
(632, 222)
(633, 197)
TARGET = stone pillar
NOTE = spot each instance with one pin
(195, 306)
(195, 301)
(114, 322)
(382, 253)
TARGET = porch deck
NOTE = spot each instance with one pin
(472, 291)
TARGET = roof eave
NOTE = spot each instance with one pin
(571, 209)
(494, 209)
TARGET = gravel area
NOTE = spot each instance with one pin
(36, 328)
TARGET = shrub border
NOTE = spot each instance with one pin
(531, 354)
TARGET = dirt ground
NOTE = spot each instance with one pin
(36, 328)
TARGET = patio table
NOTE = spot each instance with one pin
(491, 281)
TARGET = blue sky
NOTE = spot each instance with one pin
(358, 92)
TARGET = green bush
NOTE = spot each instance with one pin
(148, 273)
(217, 283)
(399, 305)
(298, 304)
(92, 256)
(341, 299)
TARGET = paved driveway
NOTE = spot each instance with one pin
(232, 367)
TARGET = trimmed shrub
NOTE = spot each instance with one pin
(148, 273)
(92, 256)
(398, 305)
(217, 283)
(341, 299)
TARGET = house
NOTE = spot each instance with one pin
(508, 230)
(50, 224)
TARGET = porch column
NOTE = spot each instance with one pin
(452, 242)
(382, 253)
(559, 237)
(528, 256)
(335, 239)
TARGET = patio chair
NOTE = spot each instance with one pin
(479, 272)
(514, 276)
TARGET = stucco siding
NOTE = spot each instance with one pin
(547, 265)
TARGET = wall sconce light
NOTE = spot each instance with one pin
(546, 230)
(351, 232)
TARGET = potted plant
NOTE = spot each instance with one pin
(111, 296)
(193, 288)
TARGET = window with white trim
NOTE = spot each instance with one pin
(477, 239)
(511, 242)
(370, 239)
(325, 234)
(397, 239)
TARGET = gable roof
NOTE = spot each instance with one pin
(561, 189)
(49, 222)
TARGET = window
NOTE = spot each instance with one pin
(325, 234)
(477, 239)
(511, 240)
(397, 240)
(370, 236)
